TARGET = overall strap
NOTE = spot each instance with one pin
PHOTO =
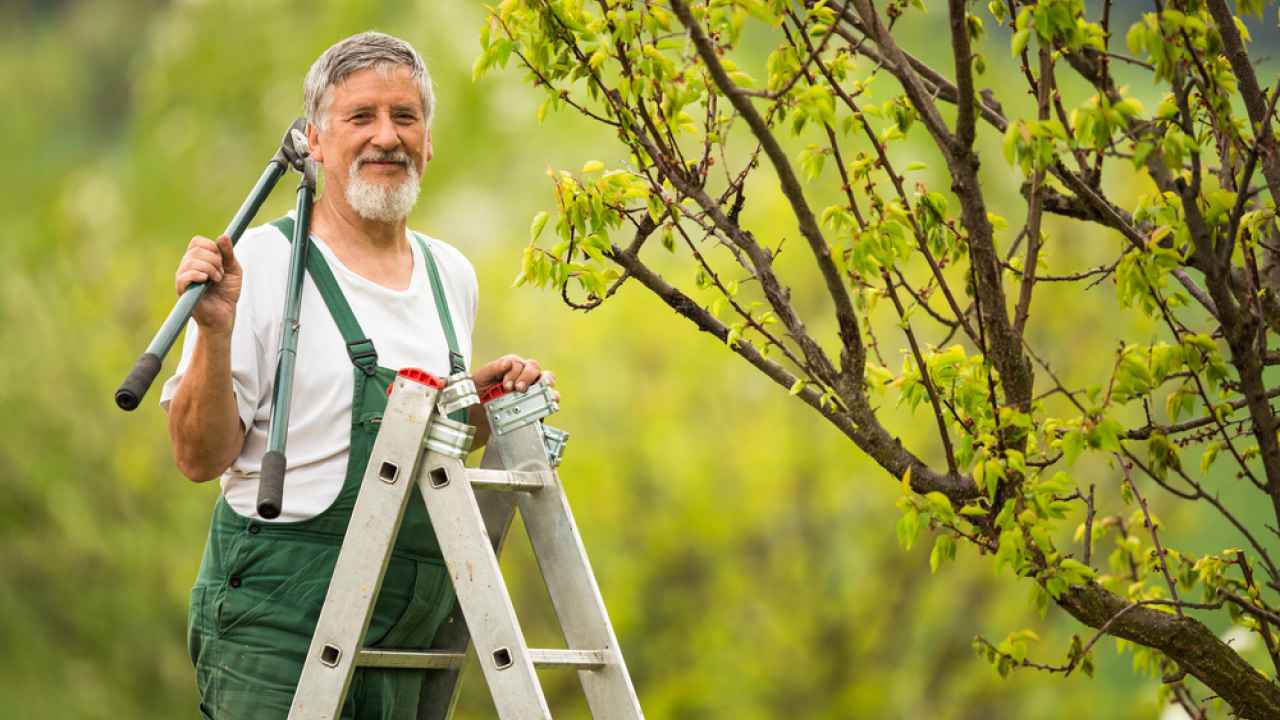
(457, 363)
(359, 347)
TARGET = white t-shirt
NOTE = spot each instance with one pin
(405, 329)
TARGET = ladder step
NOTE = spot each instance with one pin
(414, 659)
(516, 480)
(582, 659)
(438, 660)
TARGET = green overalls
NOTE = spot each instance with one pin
(258, 595)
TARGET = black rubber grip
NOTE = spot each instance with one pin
(144, 372)
(271, 488)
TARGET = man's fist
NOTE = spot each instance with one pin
(512, 372)
(214, 263)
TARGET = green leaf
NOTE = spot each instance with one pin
(1040, 598)
(536, 227)
(481, 64)
(1210, 454)
(735, 334)
(980, 473)
(944, 548)
(1106, 436)
(1075, 571)
(1136, 39)
(908, 528)
(1056, 587)
(668, 238)
(1019, 44)
(940, 504)
(1072, 445)
(993, 474)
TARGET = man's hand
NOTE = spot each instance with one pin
(513, 372)
(215, 263)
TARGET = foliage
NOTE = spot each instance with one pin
(746, 554)
(1021, 450)
(746, 572)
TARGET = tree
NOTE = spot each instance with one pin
(1025, 454)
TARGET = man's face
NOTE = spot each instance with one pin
(375, 134)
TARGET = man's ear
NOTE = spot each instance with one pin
(313, 139)
(428, 148)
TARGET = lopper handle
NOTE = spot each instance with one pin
(271, 485)
(138, 381)
(144, 372)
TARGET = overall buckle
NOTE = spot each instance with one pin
(457, 363)
(363, 355)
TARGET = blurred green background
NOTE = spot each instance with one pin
(745, 549)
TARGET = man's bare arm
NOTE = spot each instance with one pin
(204, 420)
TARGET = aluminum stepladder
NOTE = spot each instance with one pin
(471, 511)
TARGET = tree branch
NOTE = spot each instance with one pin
(858, 423)
(963, 57)
(854, 354)
(1189, 642)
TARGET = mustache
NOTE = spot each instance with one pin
(399, 156)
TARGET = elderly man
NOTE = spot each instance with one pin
(380, 298)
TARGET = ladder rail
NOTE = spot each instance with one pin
(575, 594)
(442, 688)
(364, 555)
(481, 590)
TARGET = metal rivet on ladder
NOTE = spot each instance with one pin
(388, 472)
(329, 655)
(439, 477)
(502, 658)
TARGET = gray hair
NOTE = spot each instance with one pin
(359, 52)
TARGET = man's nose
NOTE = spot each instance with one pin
(384, 134)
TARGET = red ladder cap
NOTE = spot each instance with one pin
(420, 376)
(493, 393)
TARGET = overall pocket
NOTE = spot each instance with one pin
(198, 625)
(276, 584)
(430, 602)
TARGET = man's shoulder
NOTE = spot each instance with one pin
(451, 258)
(265, 237)
(263, 243)
(263, 254)
(440, 246)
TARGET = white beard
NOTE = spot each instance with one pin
(378, 201)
